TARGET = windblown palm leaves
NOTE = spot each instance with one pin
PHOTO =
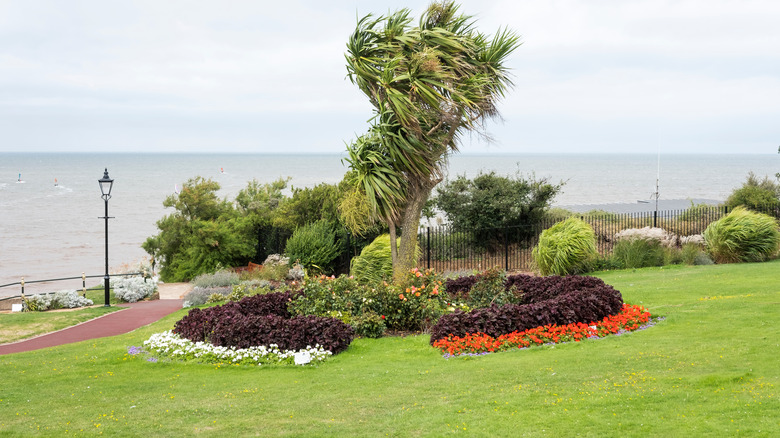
(428, 84)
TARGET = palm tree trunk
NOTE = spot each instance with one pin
(393, 241)
(417, 196)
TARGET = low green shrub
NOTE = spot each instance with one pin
(568, 247)
(490, 289)
(314, 246)
(414, 305)
(638, 253)
(217, 279)
(743, 236)
(201, 295)
(369, 325)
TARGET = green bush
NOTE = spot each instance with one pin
(568, 247)
(491, 289)
(369, 325)
(314, 246)
(375, 263)
(743, 236)
(755, 194)
(415, 305)
(490, 203)
(638, 253)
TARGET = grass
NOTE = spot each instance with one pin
(18, 326)
(709, 369)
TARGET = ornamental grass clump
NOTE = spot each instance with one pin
(568, 247)
(375, 263)
(743, 236)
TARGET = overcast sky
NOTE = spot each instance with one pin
(261, 76)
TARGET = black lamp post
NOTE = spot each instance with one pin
(105, 188)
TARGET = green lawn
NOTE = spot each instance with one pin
(18, 326)
(709, 369)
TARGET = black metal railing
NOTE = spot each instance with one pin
(446, 248)
(83, 278)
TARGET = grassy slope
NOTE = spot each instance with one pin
(710, 368)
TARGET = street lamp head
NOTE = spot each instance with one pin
(105, 185)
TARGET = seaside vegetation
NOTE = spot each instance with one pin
(429, 85)
(643, 383)
(756, 194)
(488, 204)
(205, 234)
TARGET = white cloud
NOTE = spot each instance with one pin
(226, 69)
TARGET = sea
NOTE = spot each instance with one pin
(51, 208)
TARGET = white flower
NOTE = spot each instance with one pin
(302, 357)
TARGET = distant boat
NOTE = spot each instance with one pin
(176, 189)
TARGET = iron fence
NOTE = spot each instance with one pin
(446, 248)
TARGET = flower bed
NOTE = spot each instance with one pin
(545, 301)
(263, 320)
(170, 345)
(630, 318)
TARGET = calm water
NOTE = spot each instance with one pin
(49, 231)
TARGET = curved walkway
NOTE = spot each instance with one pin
(134, 316)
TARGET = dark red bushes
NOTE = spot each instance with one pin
(263, 320)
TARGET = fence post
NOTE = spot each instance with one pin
(506, 248)
(84, 284)
(428, 247)
(655, 219)
(22, 287)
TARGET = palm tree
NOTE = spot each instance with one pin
(428, 84)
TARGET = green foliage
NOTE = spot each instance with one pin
(428, 85)
(756, 194)
(314, 246)
(568, 247)
(216, 298)
(638, 253)
(694, 254)
(414, 305)
(369, 325)
(491, 289)
(490, 203)
(374, 264)
(203, 233)
(743, 236)
(309, 205)
(220, 278)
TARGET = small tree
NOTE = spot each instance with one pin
(203, 233)
(756, 194)
(490, 203)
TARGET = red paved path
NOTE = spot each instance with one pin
(116, 323)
